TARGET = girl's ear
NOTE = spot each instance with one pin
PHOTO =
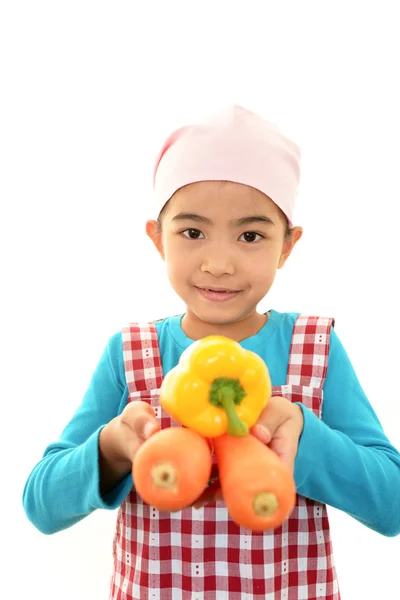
(154, 232)
(289, 244)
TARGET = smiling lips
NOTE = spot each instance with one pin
(219, 295)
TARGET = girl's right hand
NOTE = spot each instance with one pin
(120, 440)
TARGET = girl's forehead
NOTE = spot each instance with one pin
(217, 196)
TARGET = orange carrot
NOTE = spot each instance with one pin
(257, 487)
(172, 468)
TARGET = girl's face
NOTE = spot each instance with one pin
(222, 243)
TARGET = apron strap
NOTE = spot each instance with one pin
(309, 351)
(142, 359)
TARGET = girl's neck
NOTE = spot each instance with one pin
(197, 329)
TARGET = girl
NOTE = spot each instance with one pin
(225, 192)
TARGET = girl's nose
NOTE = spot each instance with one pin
(218, 264)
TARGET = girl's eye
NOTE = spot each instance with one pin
(251, 236)
(193, 234)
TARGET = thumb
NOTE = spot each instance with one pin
(145, 426)
(262, 433)
(285, 446)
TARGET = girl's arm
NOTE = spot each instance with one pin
(345, 460)
(64, 487)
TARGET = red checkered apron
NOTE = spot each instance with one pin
(202, 554)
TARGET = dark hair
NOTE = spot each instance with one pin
(162, 215)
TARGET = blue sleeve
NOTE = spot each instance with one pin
(63, 488)
(345, 460)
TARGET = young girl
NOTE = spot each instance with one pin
(225, 191)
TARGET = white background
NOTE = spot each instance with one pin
(89, 90)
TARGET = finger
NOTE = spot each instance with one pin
(133, 409)
(285, 445)
(140, 418)
(145, 425)
(274, 414)
(261, 432)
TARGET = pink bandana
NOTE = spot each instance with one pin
(235, 145)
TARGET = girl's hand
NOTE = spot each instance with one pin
(279, 426)
(120, 440)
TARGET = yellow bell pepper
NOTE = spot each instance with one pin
(217, 387)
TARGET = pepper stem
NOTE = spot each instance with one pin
(226, 393)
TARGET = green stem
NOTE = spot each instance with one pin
(226, 398)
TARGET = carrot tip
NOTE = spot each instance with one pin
(163, 475)
(265, 504)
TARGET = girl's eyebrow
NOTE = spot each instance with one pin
(236, 223)
(254, 219)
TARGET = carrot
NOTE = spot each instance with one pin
(257, 487)
(172, 468)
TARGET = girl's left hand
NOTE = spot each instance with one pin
(279, 426)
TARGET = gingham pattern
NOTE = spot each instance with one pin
(143, 370)
(203, 555)
(308, 360)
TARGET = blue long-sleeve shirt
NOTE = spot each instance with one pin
(344, 459)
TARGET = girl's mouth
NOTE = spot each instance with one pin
(218, 295)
